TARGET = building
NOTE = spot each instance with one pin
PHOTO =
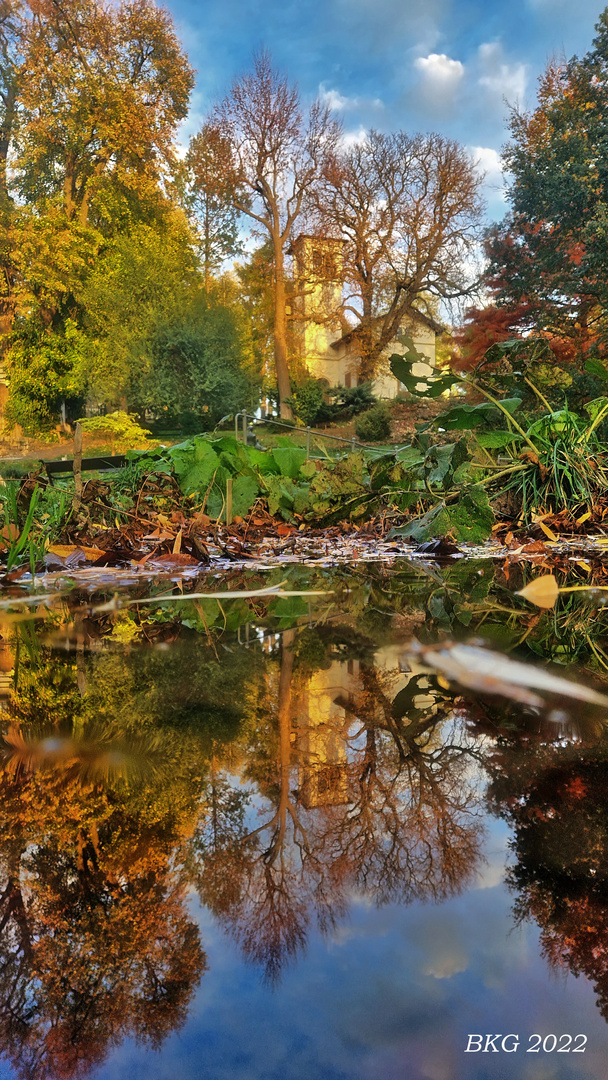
(327, 344)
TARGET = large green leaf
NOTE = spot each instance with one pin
(422, 385)
(195, 464)
(595, 407)
(494, 440)
(471, 518)
(442, 461)
(467, 417)
(289, 459)
(245, 490)
(595, 367)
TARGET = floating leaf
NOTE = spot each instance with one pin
(490, 672)
(542, 591)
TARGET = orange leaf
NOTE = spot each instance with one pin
(548, 532)
(542, 591)
(65, 550)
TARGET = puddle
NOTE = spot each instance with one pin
(264, 836)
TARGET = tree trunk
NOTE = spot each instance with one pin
(6, 131)
(280, 330)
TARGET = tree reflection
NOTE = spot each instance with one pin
(96, 812)
(357, 795)
(555, 797)
(95, 940)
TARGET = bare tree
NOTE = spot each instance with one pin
(277, 155)
(408, 209)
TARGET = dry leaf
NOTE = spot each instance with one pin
(543, 591)
(63, 551)
(548, 532)
(177, 547)
(492, 673)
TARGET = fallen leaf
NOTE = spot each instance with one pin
(64, 551)
(10, 532)
(177, 546)
(548, 532)
(542, 591)
(492, 673)
(170, 560)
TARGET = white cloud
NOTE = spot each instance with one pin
(335, 100)
(440, 70)
(505, 80)
(488, 162)
(353, 138)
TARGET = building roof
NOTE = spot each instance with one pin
(352, 334)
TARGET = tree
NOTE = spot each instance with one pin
(90, 98)
(159, 340)
(407, 208)
(276, 160)
(106, 88)
(551, 252)
(209, 162)
(11, 29)
(255, 277)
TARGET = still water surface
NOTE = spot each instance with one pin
(257, 839)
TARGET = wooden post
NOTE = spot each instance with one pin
(229, 500)
(307, 443)
(353, 444)
(244, 415)
(236, 426)
(77, 500)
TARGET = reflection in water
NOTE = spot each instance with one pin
(556, 799)
(279, 778)
(349, 797)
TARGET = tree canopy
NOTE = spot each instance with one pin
(548, 257)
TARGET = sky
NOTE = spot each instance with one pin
(449, 66)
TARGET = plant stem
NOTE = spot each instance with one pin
(496, 402)
(538, 393)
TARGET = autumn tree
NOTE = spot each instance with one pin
(408, 210)
(210, 198)
(550, 254)
(276, 153)
(255, 297)
(106, 89)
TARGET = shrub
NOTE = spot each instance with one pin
(308, 402)
(375, 424)
(310, 406)
(351, 400)
(120, 429)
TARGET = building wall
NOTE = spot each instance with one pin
(318, 281)
(341, 366)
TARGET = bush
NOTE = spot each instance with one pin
(120, 429)
(375, 424)
(310, 406)
(351, 400)
(308, 402)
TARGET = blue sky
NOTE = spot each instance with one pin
(419, 65)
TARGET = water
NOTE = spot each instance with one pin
(258, 838)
